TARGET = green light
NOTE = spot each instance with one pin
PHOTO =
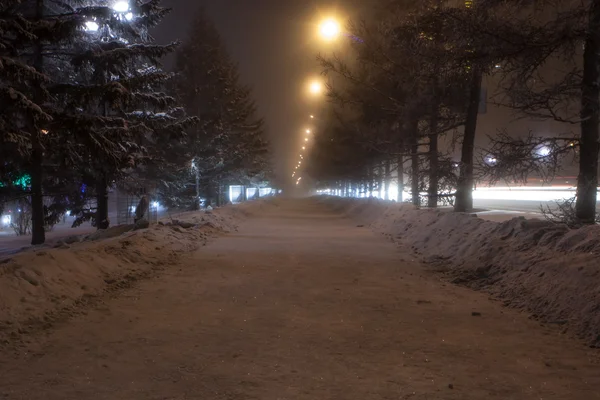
(24, 181)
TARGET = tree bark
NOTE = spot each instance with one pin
(102, 221)
(433, 188)
(400, 178)
(386, 189)
(587, 181)
(380, 181)
(219, 193)
(466, 181)
(38, 232)
(371, 181)
(197, 202)
(414, 161)
(414, 166)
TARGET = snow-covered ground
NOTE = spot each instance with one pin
(11, 243)
(300, 303)
(548, 269)
(43, 280)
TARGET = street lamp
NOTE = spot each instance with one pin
(308, 131)
(121, 6)
(312, 117)
(330, 29)
(543, 151)
(91, 26)
(315, 87)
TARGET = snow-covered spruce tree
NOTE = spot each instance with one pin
(18, 109)
(35, 33)
(229, 136)
(248, 148)
(113, 105)
(166, 165)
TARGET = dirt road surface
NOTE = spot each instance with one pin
(300, 304)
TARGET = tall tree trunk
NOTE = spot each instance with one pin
(400, 177)
(414, 161)
(371, 181)
(197, 202)
(466, 181)
(386, 188)
(38, 233)
(587, 181)
(414, 166)
(380, 181)
(433, 189)
(219, 192)
(102, 221)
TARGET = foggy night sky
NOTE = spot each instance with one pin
(273, 41)
(275, 45)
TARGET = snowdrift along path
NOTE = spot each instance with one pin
(300, 303)
(46, 284)
(539, 266)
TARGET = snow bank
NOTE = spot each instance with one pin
(40, 286)
(548, 269)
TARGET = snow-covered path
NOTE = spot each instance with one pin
(300, 304)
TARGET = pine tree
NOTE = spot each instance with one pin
(230, 139)
(18, 108)
(35, 34)
(114, 107)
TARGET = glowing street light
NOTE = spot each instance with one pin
(308, 131)
(303, 147)
(312, 117)
(543, 151)
(121, 6)
(91, 26)
(330, 29)
(315, 87)
(306, 139)
(491, 160)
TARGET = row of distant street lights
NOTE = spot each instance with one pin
(329, 30)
